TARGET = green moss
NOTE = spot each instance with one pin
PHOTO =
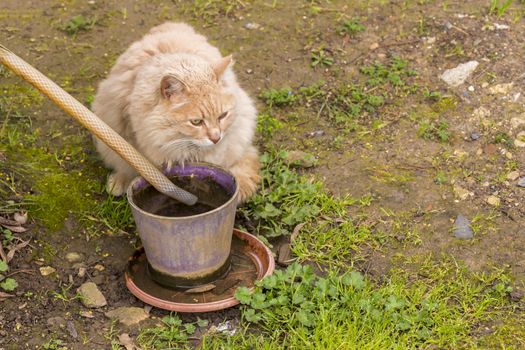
(56, 192)
(51, 166)
(445, 104)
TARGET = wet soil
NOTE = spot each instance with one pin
(432, 35)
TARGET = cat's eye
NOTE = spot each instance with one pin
(196, 122)
(223, 115)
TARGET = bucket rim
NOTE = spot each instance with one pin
(233, 198)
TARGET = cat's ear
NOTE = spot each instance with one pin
(169, 86)
(219, 67)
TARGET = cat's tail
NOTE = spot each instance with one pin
(172, 27)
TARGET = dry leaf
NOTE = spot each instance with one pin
(296, 230)
(126, 341)
(16, 229)
(4, 221)
(11, 252)
(4, 296)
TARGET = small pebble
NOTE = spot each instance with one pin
(249, 71)
(521, 182)
(520, 139)
(252, 25)
(82, 272)
(474, 136)
(494, 201)
(462, 229)
(471, 88)
(21, 217)
(73, 257)
(513, 175)
(91, 296)
(99, 267)
(47, 270)
(316, 133)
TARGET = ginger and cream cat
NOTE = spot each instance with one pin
(176, 99)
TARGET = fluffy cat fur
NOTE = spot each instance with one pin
(176, 99)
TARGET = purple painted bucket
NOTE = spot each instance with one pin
(188, 251)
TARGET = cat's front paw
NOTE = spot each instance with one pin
(117, 184)
(247, 187)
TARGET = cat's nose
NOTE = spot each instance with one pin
(215, 138)
(214, 135)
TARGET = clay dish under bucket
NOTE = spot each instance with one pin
(187, 251)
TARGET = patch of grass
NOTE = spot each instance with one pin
(440, 304)
(485, 223)
(504, 139)
(434, 96)
(287, 199)
(351, 27)
(278, 97)
(112, 215)
(210, 10)
(499, 7)
(441, 178)
(267, 125)
(54, 344)
(385, 175)
(394, 73)
(18, 96)
(434, 130)
(78, 23)
(172, 334)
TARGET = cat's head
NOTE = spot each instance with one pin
(195, 106)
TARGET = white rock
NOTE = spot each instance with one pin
(520, 139)
(46, 270)
(516, 122)
(494, 201)
(457, 76)
(513, 175)
(481, 113)
(73, 257)
(91, 296)
(461, 192)
(252, 25)
(500, 89)
(498, 26)
(21, 217)
(128, 315)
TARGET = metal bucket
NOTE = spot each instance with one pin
(187, 251)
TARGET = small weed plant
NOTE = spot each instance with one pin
(434, 130)
(287, 199)
(79, 23)
(173, 334)
(351, 27)
(499, 7)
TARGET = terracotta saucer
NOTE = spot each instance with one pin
(250, 260)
